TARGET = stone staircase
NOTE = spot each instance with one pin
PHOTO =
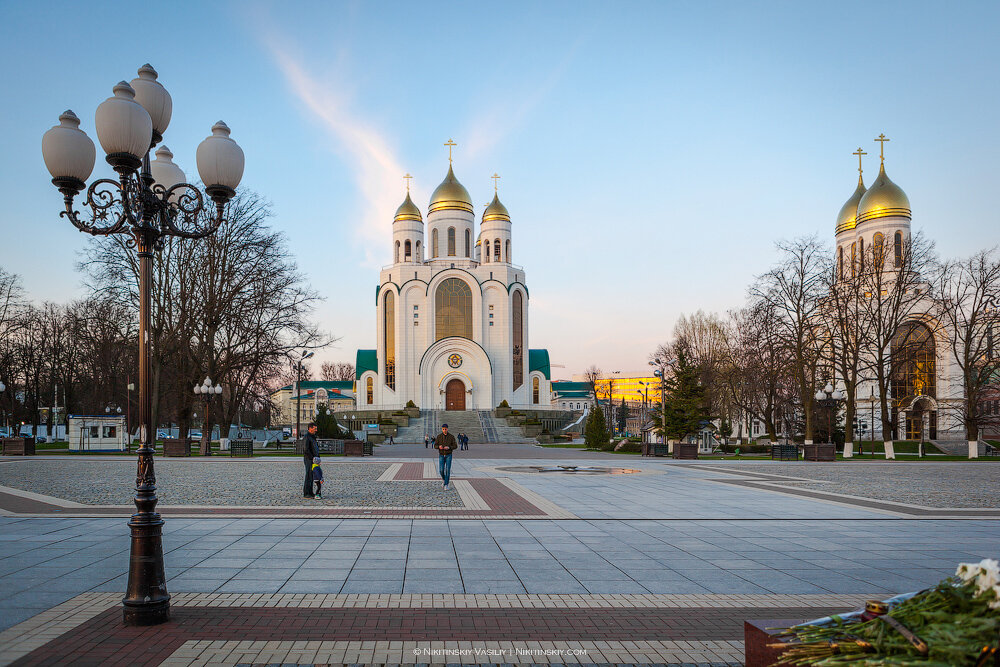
(497, 430)
(458, 421)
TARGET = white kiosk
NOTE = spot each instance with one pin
(99, 433)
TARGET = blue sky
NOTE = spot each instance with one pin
(650, 153)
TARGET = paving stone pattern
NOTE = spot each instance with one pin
(223, 482)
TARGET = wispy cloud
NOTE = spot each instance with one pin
(376, 167)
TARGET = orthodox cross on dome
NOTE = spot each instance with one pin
(881, 151)
(450, 144)
(859, 153)
(407, 177)
(495, 178)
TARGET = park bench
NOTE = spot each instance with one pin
(784, 452)
(241, 448)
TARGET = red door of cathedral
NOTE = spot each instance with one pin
(454, 395)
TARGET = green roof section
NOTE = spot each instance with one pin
(367, 361)
(538, 360)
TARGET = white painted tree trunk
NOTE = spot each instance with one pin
(848, 450)
(808, 442)
(890, 452)
(973, 449)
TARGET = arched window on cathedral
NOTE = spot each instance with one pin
(915, 375)
(897, 248)
(453, 309)
(517, 343)
(840, 262)
(486, 250)
(854, 259)
(397, 252)
(507, 251)
(451, 241)
(369, 391)
(419, 256)
(434, 243)
(389, 324)
(861, 254)
(534, 390)
(407, 254)
(468, 243)
(496, 250)
(878, 250)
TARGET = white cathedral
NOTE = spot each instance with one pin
(452, 313)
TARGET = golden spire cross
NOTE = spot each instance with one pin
(450, 144)
(881, 151)
(859, 153)
(495, 178)
(407, 177)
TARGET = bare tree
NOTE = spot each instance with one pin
(337, 370)
(968, 295)
(894, 294)
(592, 376)
(793, 291)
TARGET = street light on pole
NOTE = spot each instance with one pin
(206, 389)
(148, 203)
(298, 392)
(828, 397)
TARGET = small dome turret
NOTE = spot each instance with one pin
(450, 195)
(848, 216)
(883, 199)
(496, 211)
(408, 210)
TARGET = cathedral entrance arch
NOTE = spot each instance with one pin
(454, 395)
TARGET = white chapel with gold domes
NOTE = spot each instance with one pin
(452, 312)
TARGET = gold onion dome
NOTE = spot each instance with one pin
(450, 195)
(847, 218)
(883, 199)
(408, 210)
(496, 211)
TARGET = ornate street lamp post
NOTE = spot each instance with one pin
(828, 397)
(208, 390)
(149, 202)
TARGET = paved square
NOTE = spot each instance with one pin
(666, 547)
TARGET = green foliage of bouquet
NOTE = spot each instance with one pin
(954, 623)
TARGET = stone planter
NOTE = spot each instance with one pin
(685, 450)
(532, 430)
(824, 451)
(502, 413)
(374, 438)
(355, 447)
(388, 429)
(412, 413)
(177, 447)
(18, 446)
(401, 420)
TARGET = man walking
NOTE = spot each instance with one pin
(445, 444)
(427, 441)
(310, 450)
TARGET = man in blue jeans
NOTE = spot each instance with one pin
(445, 444)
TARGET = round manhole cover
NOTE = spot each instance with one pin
(572, 470)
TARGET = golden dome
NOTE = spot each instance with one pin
(408, 210)
(848, 215)
(450, 195)
(883, 199)
(496, 211)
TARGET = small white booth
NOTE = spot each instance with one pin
(100, 433)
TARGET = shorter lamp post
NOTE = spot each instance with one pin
(206, 389)
(3, 388)
(828, 397)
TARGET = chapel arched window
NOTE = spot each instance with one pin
(507, 251)
(914, 361)
(389, 324)
(517, 342)
(419, 256)
(397, 252)
(407, 248)
(496, 250)
(534, 390)
(854, 259)
(369, 391)
(468, 243)
(861, 254)
(434, 243)
(878, 250)
(897, 249)
(453, 309)
(840, 262)
(451, 241)
(486, 250)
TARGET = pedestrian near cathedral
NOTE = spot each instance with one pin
(445, 443)
(310, 450)
(427, 441)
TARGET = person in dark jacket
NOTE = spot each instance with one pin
(445, 443)
(310, 450)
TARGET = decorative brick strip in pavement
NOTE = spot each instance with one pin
(231, 629)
